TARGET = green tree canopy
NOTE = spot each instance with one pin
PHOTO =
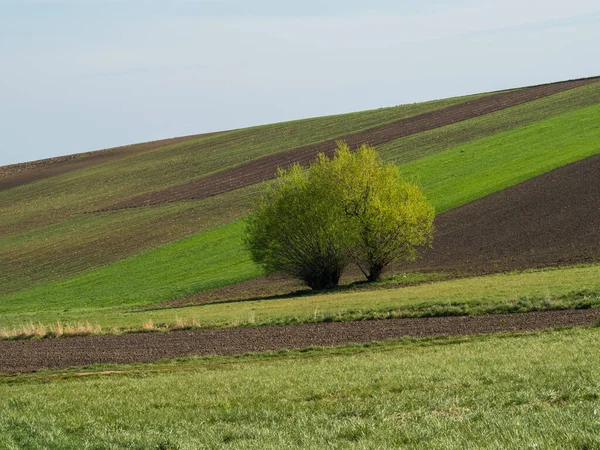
(388, 216)
(296, 230)
(312, 223)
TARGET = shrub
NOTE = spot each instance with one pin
(389, 217)
(311, 223)
(296, 229)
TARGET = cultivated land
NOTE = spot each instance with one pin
(483, 236)
(514, 178)
(265, 168)
(17, 174)
(47, 237)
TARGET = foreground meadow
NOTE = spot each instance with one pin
(513, 391)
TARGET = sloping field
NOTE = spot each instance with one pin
(45, 235)
(549, 220)
(87, 241)
(265, 168)
(192, 156)
(428, 143)
(450, 178)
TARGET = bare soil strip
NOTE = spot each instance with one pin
(264, 168)
(27, 356)
(17, 174)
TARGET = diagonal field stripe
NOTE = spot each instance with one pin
(265, 168)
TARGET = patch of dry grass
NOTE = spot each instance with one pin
(37, 330)
(40, 330)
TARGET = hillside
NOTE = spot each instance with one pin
(75, 234)
(46, 233)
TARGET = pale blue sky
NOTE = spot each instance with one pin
(78, 75)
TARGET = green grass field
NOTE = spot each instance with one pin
(86, 241)
(470, 171)
(530, 391)
(428, 143)
(179, 269)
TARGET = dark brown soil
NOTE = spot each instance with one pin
(264, 168)
(549, 220)
(17, 174)
(27, 356)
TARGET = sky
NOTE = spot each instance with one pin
(80, 75)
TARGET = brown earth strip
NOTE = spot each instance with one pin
(264, 168)
(30, 355)
(17, 174)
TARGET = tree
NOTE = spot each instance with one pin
(311, 223)
(295, 229)
(389, 217)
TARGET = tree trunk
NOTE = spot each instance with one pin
(328, 278)
(375, 273)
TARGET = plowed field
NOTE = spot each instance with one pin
(549, 220)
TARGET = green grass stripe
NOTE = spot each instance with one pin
(204, 261)
(430, 142)
(560, 288)
(473, 170)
